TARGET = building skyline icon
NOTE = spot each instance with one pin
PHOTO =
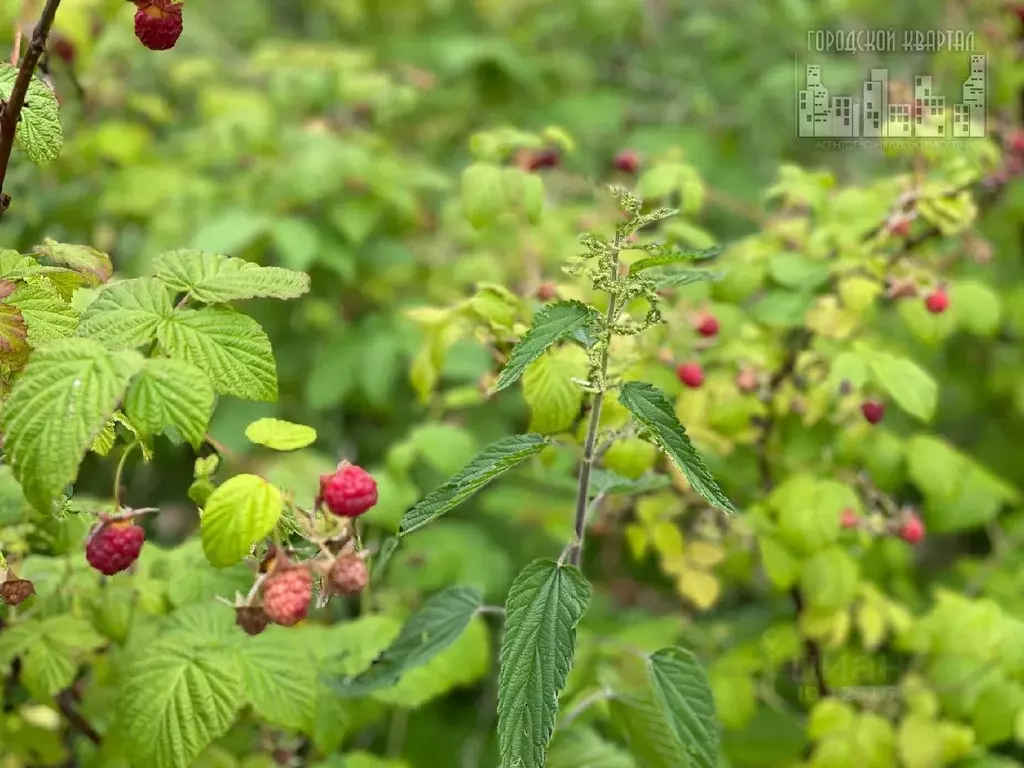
(871, 115)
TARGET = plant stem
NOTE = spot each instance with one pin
(12, 109)
(589, 447)
(119, 472)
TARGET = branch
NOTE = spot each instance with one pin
(10, 115)
(65, 703)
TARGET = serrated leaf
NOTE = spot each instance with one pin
(242, 511)
(56, 409)
(280, 435)
(47, 316)
(545, 603)
(682, 689)
(438, 624)
(170, 393)
(13, 332)
(15, 266)
(652, 410)
(642, 724)
(127, 314)
(548, 388)
(215, 279)
(278, 674)
(671, 259)
(496, 459)
(39, 132)
(550, 325)
(88, 262)
(175, 700)
(231, 347)
(913, 388)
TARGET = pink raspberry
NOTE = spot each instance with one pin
(286, 595)
(349, 491)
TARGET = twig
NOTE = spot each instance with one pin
(12, 108)
(16, 48)
(65, 704)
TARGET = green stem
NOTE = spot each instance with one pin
(589, 447)
(119, 473)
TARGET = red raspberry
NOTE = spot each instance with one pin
(849, 519)
(900, 226)
(1015, 141)
(158, 24)
(286, 595)
(15, 591)
(746, 380)
(690, 374)
(544, 158)
(349, 492)
(251, 618)
(348, 575)
(627, 161)
(546, 291)
(114, 546)
(912, 529)
(707, 326)
(63, 48)
(873, 411)
(937, 301)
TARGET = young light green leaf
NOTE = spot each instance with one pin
(15, 266)
(127, 314)
(545, 603)
(548, 388)
(215, 279)
(653, 411)
(671, 259)
(682, 689)
(643, 726)
(551, 324)
(94, 265)
(438, 624)
(677, 278)
(171, 393)
(496, 459)
(231, 347)
(57, 408)
(241, 512)
(280, 435)
(39, 132)
(176, 699)
(913, 388)
(483, 193)
(47, 316)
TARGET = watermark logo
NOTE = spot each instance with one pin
(885, 109)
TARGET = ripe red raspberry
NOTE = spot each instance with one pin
(1015, 141)
(535, 160)
(707, 326)
(937, 301)
(849, 519)
(158, 24)
(62, 48)
(114, 546)
(873, 411)
(251, 618)
(900, 226)
(349, 492)
(348, 575)
(286, 595)
(547, 291)
(690, 374)
(912, 529)
(15, 591)
(627, 161)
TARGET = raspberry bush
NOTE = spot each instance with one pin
(345, 425)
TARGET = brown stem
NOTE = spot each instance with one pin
(66, 705)
(12, 108)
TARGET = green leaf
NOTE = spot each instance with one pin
(644, 727)
(483, 193)
(654, 412)
(278, 673)
(791, 270)
(548, 387)
(672, 259)
(39, 133)
(438, 624)
(978, 309)
(829, 579)
(94, 265)
(583, 747)
(215, 279)
(280, 435)
(57, 408)
(677, 278)
(175, 700)
(496, 459)
(913, 388)
(170, 393)
(128, 313)
(242, 511)
(551, 324)
(682, 688)
(231, 347)
(47, 316)
(544, 605)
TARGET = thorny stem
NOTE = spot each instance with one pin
(587, 465)
(11, 113)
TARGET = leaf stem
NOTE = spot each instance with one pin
(119, 473)
(11, 112)
(589, 447)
